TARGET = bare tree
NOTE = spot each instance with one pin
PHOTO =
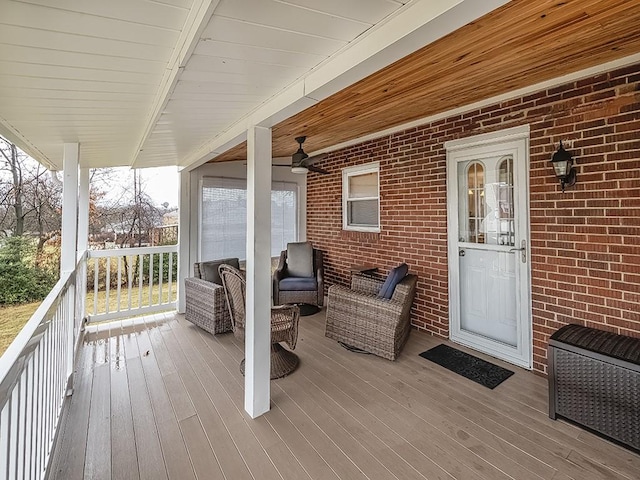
(130, 213)
(13, 163)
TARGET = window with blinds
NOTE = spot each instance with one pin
(361, 198)
(223, 217)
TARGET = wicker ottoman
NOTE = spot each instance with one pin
(594, 380)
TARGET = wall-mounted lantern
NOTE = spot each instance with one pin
(563, 166)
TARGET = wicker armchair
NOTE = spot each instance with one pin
(284, 323)
(286, 289)
(357, 317)
(205, 300)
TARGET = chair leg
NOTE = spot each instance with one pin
(283, 361)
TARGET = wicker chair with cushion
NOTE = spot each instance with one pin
(299, 276)
(284, 323)
(205, 300)
(361, 317)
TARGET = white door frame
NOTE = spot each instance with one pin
(514, 141)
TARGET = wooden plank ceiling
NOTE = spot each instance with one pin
(521, 44)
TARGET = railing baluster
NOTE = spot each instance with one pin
(37, 440)
(52, 371)
(170, 278)
(96, 287)
(29, 419)
(140, 275)
(5, 419)
(150, 279)
(22, 424)
(108, 285)
(46, 378)
(129, 279)
(119, 283)
(160, 275)
(13, 432)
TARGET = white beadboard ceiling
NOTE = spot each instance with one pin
(168, 82)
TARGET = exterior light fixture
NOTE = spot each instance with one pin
(563, 166)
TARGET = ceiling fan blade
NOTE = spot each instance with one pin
(317, 169)
(315, 159)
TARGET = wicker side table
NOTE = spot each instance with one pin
(594, 380)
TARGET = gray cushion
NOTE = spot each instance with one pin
(395, 277)
(298, 284)
(209, 270)
(300, 259)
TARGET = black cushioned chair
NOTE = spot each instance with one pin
(299, 276)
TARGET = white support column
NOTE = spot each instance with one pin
(184, 228)
(68, 248)
(257, 393)
(82, 244)
(83, 211)
(69, 207)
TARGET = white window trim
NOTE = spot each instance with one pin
(352, 171)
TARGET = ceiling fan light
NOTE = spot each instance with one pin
(299, 169)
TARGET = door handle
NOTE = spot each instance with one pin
(461, 253)
(523, 249)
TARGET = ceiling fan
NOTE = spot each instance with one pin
(302, 163)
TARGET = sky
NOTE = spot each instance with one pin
(161, 184)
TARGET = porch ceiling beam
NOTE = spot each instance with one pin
(195, 24)
(418, 24)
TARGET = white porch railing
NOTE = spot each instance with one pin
(131, 281)
(36, 371)
(35, 375)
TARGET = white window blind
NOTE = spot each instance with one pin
(223, 217)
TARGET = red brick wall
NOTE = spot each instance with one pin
(585, 243)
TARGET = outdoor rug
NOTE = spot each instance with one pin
(473, 368)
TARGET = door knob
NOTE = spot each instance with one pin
(461, 253)
(523, 249)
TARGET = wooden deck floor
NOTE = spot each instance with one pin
(162, 399)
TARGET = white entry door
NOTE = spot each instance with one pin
(488, 235)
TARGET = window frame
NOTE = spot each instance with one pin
(347, 173)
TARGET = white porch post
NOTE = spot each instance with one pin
(257, 393)
(82, 245)
(184, 229)
(69, 207)
(83, 211)
(69, 242)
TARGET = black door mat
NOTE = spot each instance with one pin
(473, 368)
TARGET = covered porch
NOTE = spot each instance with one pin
(159, 398)
(223, 88)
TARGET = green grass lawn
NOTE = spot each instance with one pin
(13, 318)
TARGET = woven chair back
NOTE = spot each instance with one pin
(235, 290)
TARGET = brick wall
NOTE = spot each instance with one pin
(585, 243)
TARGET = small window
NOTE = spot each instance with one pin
(361, 198)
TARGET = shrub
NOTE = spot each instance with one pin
(20, 280)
